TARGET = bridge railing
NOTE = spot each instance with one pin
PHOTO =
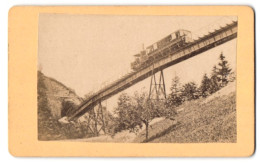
(198, 46)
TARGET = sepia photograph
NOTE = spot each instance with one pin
(131, 81)
(137, 79)
(109, 81)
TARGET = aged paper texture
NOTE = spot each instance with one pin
(131, 81)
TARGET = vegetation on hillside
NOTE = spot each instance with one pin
(48, 126)
(133, 112)
(220, 76)
(199, 122)
(214, 121)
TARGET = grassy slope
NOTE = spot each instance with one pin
(212, 119)
(202, 120)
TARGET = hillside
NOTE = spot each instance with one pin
(212, 119)
(56, 92)
(51, 94)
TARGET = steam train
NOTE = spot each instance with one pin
(161, 48)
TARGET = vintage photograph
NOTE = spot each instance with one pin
(137, 79)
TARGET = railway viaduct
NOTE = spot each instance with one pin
(202, 44)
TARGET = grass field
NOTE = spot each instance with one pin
(211, 119)
(205, 120)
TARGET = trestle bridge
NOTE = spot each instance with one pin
(202, 44)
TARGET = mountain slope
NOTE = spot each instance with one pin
(51, 93)
(56, 93)
(212, 119)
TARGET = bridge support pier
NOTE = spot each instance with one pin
(95, 120)
(157, 87)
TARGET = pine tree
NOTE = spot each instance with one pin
(214, 81)
(232, 76)
(190, 91)
(223, 71)
(174, 99)
(205, 86)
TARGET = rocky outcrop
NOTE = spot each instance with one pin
(56, 93)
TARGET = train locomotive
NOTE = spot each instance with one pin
(161, 49)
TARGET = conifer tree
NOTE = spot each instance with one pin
(214, 81)
(223, 70)
(175, 98)
(190, 91)
(205, 86)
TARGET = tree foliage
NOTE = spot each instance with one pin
(205, 86)
(174, 99)
(223, 70)
(190, 91)
(132, 112)
(214, 81)
(126, 115)
(220, 75)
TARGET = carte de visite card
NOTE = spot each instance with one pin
(140, 81)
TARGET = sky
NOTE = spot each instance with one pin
(86, 52)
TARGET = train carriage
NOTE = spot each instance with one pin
(159, 49)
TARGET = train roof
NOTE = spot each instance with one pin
(138, 55)
(172, 33)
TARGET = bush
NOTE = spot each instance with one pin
(190, 91)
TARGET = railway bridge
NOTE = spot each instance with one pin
(202, 44)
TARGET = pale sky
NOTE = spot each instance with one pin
(86, 52)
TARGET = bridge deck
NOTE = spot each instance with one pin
(199, 46)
